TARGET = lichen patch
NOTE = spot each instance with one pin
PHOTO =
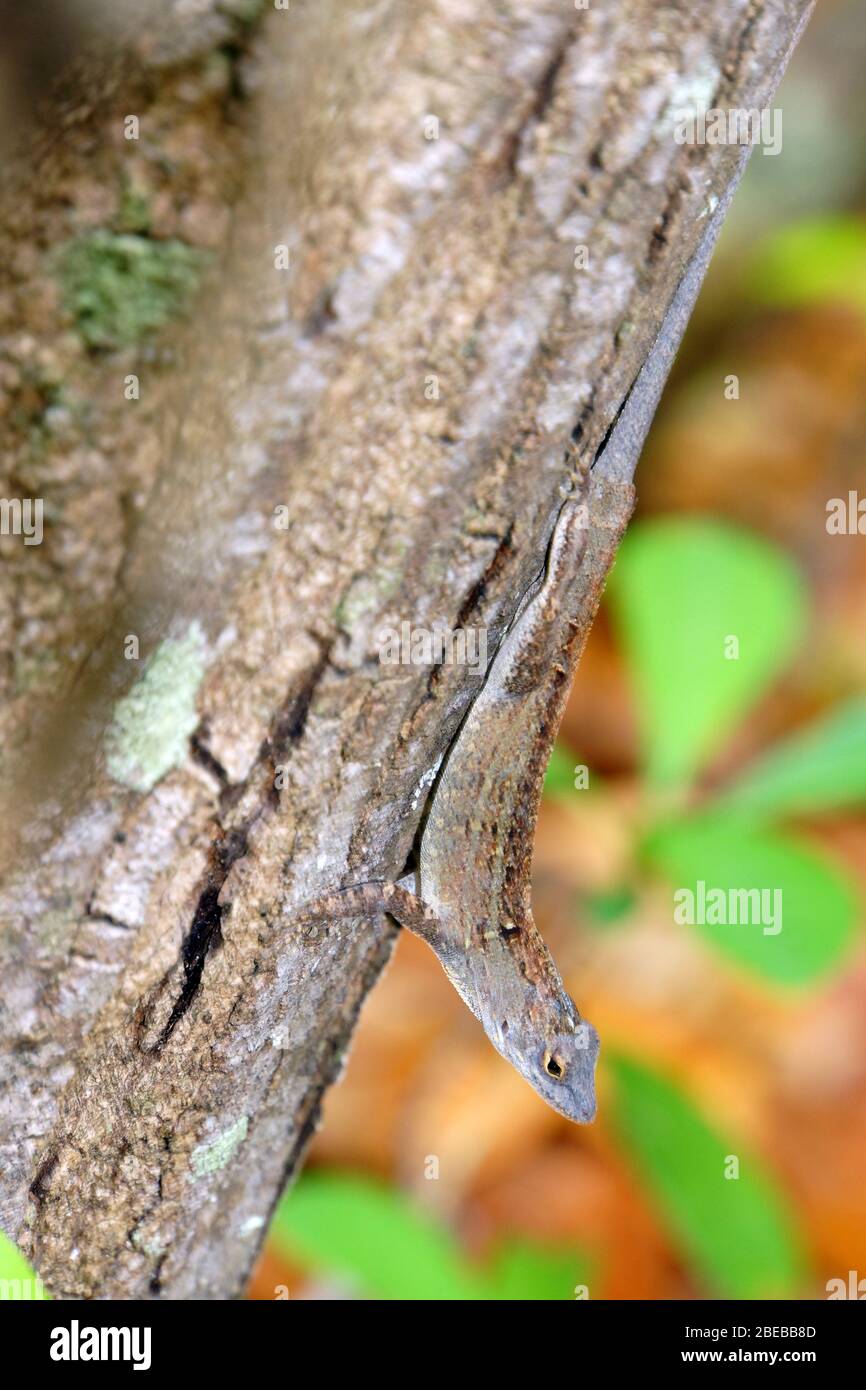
(214, 1154)
(152, 724)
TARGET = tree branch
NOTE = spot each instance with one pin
(167, 1036)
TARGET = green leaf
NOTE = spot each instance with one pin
(525, 1271)
(18, 1281)
(683, 591)
(812, 261)
(350, 1226)
(807, 915)
(359, 1229)
(820, 768)
(737, 1233)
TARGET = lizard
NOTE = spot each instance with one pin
(469, 896)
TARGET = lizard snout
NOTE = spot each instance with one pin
(565, 1074)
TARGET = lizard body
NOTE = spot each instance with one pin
(476, 849)
(470, 898)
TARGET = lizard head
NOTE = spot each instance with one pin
(559, 1062)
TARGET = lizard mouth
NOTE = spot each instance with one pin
(584, 1113)
(578, 1104)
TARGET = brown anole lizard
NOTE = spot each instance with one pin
(469, 898)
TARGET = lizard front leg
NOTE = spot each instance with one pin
(399, 900)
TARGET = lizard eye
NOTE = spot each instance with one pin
(554, 1065)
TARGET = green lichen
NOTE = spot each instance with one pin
(42, 406)
(365, 595)
(215, 1153)
(120, 287)
(153, 722)
(133, 213)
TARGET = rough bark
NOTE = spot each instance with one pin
(166, 1034)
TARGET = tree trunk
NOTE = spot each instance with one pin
(376, 434)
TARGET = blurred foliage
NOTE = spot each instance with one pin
(387, 1248)
(816, 260)
(722, 1207)
(681, 590)
(820, 768)
(818, 903)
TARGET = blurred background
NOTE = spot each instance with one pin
(716, 733)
